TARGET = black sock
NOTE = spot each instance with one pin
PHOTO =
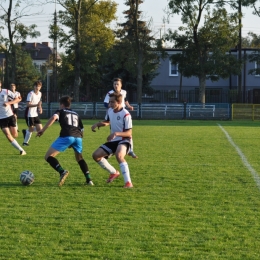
(54, 163)
(84, 168)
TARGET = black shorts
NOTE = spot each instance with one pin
(7, 122)
(110, 147)
(32, 121)
(15, 111)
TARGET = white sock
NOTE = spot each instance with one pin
(16, 145)
(27, 136)
(131, 149)
(125, 171)
(107, 166)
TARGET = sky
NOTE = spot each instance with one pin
(154, 9)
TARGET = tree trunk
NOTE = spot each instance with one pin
(11, 78)
(77, 79)
(139, 75)
(202, 89)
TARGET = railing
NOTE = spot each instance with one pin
(88, 110)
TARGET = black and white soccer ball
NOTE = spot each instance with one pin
(26, 177)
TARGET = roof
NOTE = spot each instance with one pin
(38, 51)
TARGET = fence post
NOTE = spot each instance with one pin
(184, 109)
(139, 109)
(49, 109)
(94, 109)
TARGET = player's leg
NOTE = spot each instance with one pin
(77, 147)
(28, 133)
(16, 119)
(98, 156)
(131, 150)
(59, 145)
(38, 127)
(10, 131)
(120, 153)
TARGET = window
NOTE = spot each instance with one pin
(257, 67)
(173, 69)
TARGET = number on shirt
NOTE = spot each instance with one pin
(72, 120)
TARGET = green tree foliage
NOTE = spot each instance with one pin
(252, 40)
(26, 72)
(10, 20)
(134, 57)
(88, 38)
(205, 40)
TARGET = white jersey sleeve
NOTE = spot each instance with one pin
(106, 100)
(5, 96)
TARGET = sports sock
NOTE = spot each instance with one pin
(84, 168)
(107, 166)
(16, 145)
(54, 163)
(125, 171)
(27, 136)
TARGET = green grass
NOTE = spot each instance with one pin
(193, 198)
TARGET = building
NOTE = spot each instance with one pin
(40, 53)
(170, 80)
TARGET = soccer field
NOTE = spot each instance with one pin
(196, 195)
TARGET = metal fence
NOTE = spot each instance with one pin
(89, 110)
(216, 95)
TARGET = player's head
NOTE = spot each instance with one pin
(117, 84)
(65, 101)
(115, 100)
(12, 87)
(37, 85)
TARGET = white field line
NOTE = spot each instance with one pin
(243, 158)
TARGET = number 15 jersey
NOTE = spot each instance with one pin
(70, 123)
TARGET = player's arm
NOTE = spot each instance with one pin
(48, 124)
(99, 124)
(81, 126)
(19, 97)
(40, 107)
(126, 134)
(106, 100)
(11, 101)
(128, 105)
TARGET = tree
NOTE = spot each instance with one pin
(26, 73)
(205, 46)
(252, 40)
(136, 53)
(85, 36)
(10, 17)
(84, 52)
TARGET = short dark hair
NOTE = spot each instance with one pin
(118, 97)
(118, 79)
(66, 101)
(36, 83)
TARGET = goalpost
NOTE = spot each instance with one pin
(246, 111)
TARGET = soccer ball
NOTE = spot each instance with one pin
(26, 178)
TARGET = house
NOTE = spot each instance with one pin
(170, 80)
(40, 53)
